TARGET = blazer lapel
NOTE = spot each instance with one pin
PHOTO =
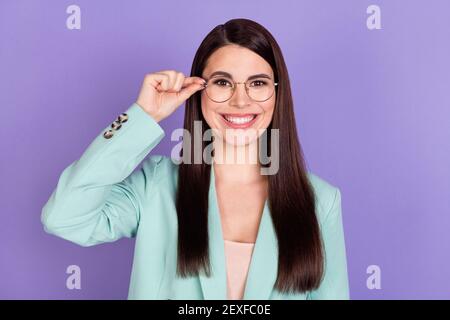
(263, 265)
(263, 268)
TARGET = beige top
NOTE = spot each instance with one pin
(238, 256)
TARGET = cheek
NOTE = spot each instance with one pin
(207, 110)
(268, 113)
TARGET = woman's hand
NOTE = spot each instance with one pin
(164, 91)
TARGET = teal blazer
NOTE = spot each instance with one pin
(100, 198)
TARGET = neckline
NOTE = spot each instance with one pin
(237, 242)
(263, 262)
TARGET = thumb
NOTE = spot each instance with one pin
(188, 91)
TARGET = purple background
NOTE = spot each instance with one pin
(372, 108)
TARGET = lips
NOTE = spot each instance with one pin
(239, 120)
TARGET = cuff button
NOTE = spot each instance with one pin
(122, 118)
(108, 134)
(116, 125)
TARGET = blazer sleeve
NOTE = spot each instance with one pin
(98, 197)
(334, 285)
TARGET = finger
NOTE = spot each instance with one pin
(179, 82)
(188, 91)
(171, 76)
(160, 81)
(172, 80)
(191, 80)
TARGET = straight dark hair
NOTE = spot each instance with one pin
(291, 198)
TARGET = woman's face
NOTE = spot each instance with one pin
(241, 63)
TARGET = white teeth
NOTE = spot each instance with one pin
(239, 120)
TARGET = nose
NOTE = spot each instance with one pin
(240, 97)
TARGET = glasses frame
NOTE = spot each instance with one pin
(234, 89)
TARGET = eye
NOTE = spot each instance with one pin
(258, 83)
(222, 82)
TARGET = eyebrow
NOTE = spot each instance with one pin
(226, 74)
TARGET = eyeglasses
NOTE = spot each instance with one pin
(221, 89)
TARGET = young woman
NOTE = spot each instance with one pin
(210, 230)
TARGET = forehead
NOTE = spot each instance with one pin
(238, 61)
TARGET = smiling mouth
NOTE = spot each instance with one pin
(239, 119)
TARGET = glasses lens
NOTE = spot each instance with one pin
(260, 89)
(219, 89)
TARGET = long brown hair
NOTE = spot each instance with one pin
(291, 198)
